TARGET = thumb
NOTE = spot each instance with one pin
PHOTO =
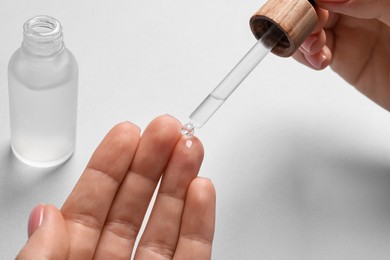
(48, 236)
(365, 9)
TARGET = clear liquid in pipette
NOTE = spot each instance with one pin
(200, 116)
(202, 113)
(219, 95)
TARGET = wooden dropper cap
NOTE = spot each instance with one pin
(296, 18)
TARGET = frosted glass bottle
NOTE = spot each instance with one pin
(42, 81)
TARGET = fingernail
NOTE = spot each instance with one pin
(306, 45)
(316, 60)
(35, 219)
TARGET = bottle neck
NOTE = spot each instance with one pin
(42, 36)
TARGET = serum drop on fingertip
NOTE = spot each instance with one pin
(188, 143)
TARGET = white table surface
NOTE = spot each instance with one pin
(299, 159)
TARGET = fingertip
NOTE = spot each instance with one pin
(204, 186)
(328, 54)
(126, 128)
(35, 218)
(114, 154)
(306, 46)
(194, 140)
(163, 129)
(320, 60)
(314, 43)
(316, 61)
(50, 239)
(202, 195)
(166, 120)
(166, 129)
(201, 205)
(192, 148)
(123, 135)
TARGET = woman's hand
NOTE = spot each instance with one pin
(102, 217)
(353, 37)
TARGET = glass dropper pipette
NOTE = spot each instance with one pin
(227, 86)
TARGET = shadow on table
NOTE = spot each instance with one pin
(17, 180)
(311, 194)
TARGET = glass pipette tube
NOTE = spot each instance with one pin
(227, 86)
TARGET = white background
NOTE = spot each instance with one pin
(299, 159)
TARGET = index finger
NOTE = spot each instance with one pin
(86, 208)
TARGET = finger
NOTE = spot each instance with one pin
(317, 61)
(366, 9)
(35, 219)
(332, 20)
(314, 43)
(86, 208)
(132, 200)
(322, 16)
(162, 231)
(317, 37)
(48, 235)
(198, 223)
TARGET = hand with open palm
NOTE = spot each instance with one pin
(102, 217)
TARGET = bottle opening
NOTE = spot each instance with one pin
(41, 28)
(43, 32)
